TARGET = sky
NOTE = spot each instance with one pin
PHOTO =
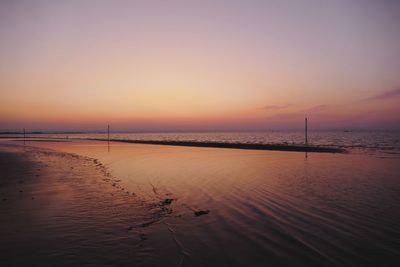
(199, 65)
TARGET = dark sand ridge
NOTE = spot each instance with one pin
(273, 147)
(63, 209)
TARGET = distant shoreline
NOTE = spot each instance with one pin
(275, 147)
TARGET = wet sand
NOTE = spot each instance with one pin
(60, 209)
(145, 205)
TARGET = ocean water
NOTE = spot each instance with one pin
(386, 143)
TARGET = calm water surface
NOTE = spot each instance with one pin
(266, 208)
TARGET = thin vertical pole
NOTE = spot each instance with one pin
(24, 136)
(108, 137)
(306, 130)
(108, 134)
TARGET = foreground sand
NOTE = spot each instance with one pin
(62, 209)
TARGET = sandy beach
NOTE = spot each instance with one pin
(63, 209)
(82, 202)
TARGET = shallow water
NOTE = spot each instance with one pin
(266, 208)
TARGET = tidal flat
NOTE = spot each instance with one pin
(87, 203)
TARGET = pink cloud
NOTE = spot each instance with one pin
(384, 95)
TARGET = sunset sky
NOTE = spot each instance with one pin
(199, 65)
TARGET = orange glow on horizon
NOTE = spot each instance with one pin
(241, 67)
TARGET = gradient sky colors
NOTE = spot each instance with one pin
(199, 65)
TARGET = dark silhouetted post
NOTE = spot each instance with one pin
(108, 137)
(306, 131)
(24, 136)
(108, 134)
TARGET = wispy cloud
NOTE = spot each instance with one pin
(384, 95)
(317, 108)
(276, 107)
